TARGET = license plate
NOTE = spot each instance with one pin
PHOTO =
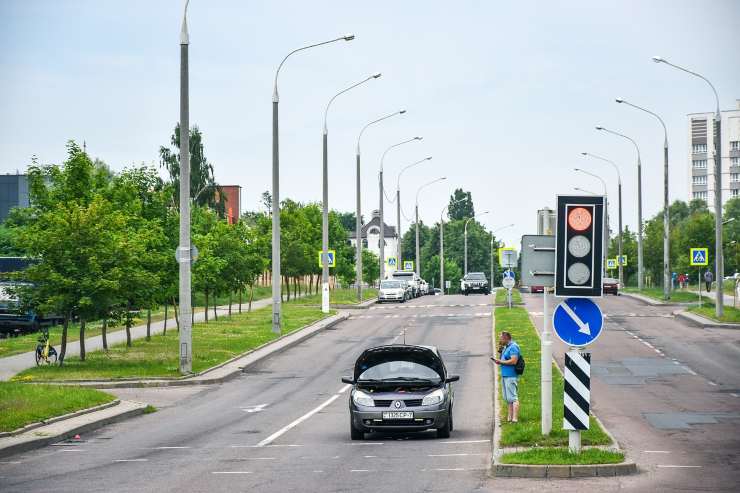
(398, 415)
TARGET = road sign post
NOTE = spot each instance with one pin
(508, 283)
(331, 261)
(699, 257)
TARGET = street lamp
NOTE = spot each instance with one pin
(325, 199)
(382, 191)
(183, 257)
(416, 211)
(442, 243)
(466, 237)
(640, 276)
(276, 288)
(584, 191)
(666, 218)
(619, 200)
(606, 215)
(398, 204)
(492, 236)
(358, 212)
(719, 265)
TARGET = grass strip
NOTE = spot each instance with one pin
(21, 404)
(561, 456)
(339, 297)
(527, 432)
(213, 343)
(677, 296)
(516, 296)
(730, 315)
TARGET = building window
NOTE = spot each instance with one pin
(735, 192)
(698, 148)
(735, 145)
(699, 163)
(700, 195)
(699, 180)
(734, 177)
(735, 161)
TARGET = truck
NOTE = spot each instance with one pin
(410, 277)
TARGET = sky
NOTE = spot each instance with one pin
(505, 94)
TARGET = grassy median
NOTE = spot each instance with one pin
(339, 297)
(730, 315)
(213, 343)
(25, 404)
(561, 456)
(527, 432)
(516, 297)
(677, 296)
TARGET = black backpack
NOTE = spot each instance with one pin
(519, 366)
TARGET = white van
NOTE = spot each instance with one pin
(410, 277)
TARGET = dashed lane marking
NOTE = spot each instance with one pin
(131, 460)
(231, 472)
(455, 442)
(452, 455)
(170, 448)
(656, 451)
(677, 466)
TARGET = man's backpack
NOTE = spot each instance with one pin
(519, 366)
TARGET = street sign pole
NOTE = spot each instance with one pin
(546, 367)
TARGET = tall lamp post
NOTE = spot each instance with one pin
(325, 198)
(493, 284)
(381, 192)
(718, 255)
(606, 229)
(465, 234)
(398, 204)
(666, 214)
(276, 288)
(183, 250)
(442, 243)
(619, 200)
(416, 220)
(358, 211)
(640, 276)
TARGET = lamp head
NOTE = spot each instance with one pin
(349, 37)
(658, 59)
(619, 100)
(376, 75)
(402, 112)
(599, 127)
(429, 158)
(584, 154)
(418, 138)
(444, 178)
(576, 169)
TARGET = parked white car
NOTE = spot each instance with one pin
(393, 290)
(424, 287)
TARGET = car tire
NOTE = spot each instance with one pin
(354, 433)
(444, 432)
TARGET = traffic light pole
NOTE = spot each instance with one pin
(546, 366)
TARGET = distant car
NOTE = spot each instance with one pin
(393, 290)
(474, 282)
(437, 292)
(423, 287)
(400, 388)
(537, 289)
(410, 277)
(611, 286)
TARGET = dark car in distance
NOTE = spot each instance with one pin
(400, 388)
(611, 286)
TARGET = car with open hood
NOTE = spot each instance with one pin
(402, 388)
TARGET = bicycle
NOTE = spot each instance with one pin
(45, 352)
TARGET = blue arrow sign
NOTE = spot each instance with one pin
(509, 273)
(578, 321)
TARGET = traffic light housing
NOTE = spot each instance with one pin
(579, 246)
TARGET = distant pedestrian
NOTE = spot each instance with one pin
(510, 354)
(708, 278)
(686, 280)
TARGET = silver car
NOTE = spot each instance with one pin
(393, 290)
(400, 388)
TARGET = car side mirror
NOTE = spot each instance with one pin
(348, 380)
(452, 378)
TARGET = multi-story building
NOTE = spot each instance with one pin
(13, 193)
(701, 159)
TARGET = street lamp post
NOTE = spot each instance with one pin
(718, 255)
(183, 257)
(398, 204)
(416, 220)
(276, 288)
(606, 215)
(465, 234)
(358, 211)
(666, 214)
(325, 199)
(442, 243)
(640, 275)
(382, 220)
(619, 200)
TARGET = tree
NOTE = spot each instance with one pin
(408, 241)
(461, 205)
(370, 267)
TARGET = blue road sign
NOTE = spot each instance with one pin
(699, 256)
(392, 261)
(578, 321)
(509, 273)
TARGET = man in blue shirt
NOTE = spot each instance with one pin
(509, 356)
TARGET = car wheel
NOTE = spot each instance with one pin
(444, 432)
(354, 433)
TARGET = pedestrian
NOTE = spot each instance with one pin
(708, 278)
(686, 279)
(510, 354)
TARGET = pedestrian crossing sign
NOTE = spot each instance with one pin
(408, 265)
(622, 260)
(331, 258)
(392, 262)
(699, 256)
(611, 263)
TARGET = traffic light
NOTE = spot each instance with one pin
(579, 244)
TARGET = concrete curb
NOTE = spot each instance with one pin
(55, 419)
(239, 363)
(61, 430)
(650, 301)
(703, 322)
(356, 306)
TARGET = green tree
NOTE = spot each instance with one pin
(461, 205)
(370, 267)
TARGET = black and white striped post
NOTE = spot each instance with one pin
(577, 396)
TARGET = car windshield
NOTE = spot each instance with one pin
(400, 370)
(390, 285)
(476, 276)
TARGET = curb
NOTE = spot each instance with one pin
(356, 306)
(703, 322)
(650, 301)
(55, 419)
(25, 444)
(201, 378)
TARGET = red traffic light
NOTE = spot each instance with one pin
(579, 218)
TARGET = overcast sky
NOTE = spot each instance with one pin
(505, 94)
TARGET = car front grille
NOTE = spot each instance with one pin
(382, 403)
(412, 402)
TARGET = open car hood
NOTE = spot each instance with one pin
(423, 355)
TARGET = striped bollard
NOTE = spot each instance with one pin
(577, 396)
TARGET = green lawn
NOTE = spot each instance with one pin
(339, 297)
(677, 296)
(527, 432)
(516, 296)
(22, 404)
(561, 456)
(213, 343)
(731, 315)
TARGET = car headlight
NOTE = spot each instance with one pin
(360, 398)
(433, 398)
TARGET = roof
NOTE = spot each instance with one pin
(388, 231)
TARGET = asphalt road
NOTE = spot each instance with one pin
(283, 426)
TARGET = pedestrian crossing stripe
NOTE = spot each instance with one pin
(577, 390)
(699, 256)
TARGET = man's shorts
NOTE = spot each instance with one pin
(510, 387)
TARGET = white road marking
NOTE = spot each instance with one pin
(318, 470)
(72, 450)
(656, 451)
(711, 383)
(10, 462)
(466, 441)
(258, 458)
(690, 370)
(371, 457)
(451, 455)
(231, 472)
(359, 470)
(675, 466)
(131, 460)
(734, 395)
(170, 448)
(368, 443)
(447, 469)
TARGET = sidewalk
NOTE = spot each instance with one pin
(728, 299)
